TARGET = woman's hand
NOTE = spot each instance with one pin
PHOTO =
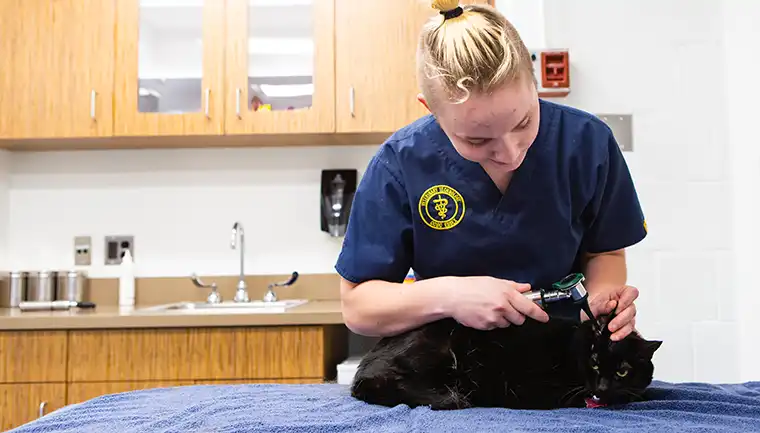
(620, 300)
(487, 303)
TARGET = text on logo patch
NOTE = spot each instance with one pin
(441, 207)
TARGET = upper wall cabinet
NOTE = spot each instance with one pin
(301, 69)
(280, 58)
(169, 67)
(376, 78)
(56, 78)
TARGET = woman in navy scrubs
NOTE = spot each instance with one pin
(496, 192)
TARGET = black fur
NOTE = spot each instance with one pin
(446, 365)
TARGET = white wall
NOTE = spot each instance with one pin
(625, 59)
(180, 205)
(674, 72)
(741, 35)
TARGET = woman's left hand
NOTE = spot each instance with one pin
(620, 300)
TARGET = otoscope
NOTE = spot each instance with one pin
(570, 287)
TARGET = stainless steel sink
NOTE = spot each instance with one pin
(227, 307)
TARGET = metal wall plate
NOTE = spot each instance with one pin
(115, 248)
(82, 251)
(622, 128)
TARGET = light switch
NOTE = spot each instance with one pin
(622, 128)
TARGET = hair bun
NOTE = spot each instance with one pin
(445, 5)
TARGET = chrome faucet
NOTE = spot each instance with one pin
(241, 294)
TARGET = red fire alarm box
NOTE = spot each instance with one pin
(552, 69)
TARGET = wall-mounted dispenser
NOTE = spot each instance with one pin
(336, 196)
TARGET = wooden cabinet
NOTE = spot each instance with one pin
(57, 68)
(169, 68)
(150, 68)
(20, 404)
(41, 371)
(376, 77)
(33, 357)
(376, 72)
(32, 375)
(289, 352)
(280, 58)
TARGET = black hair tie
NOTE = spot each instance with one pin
(447, 15)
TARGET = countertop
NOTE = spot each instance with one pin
(318, 312)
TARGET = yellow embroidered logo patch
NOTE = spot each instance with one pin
(441, 207)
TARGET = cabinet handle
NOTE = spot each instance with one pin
(237, 102)
(93, 93)
(42, 409)
(352, 101)
(208, 98)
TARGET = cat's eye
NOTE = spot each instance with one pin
(622, 373)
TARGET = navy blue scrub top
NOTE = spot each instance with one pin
(420, 205)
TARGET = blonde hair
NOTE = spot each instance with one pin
(475, 51)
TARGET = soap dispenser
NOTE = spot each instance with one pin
(338, 189)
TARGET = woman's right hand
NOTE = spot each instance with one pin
(487, 303)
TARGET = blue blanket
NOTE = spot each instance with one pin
(690, 407)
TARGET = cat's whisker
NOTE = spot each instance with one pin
(636, 396)
(512, 391)
(455, 359)
(572, 394)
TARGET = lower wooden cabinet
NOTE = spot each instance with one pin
(29, 357)
(66, 367)
(22, 403)
(278, 352)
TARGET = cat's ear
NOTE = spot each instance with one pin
(647, 348)
(601, 325)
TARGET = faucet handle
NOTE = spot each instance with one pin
(271, 296)
(214, 297)
(289, 282)
(198, 283)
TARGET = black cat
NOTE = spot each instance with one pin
(562, 363)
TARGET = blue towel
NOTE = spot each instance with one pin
(691, 407)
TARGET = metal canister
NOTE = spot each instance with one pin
(71, 286)
(17, 288)
(12, 289)
(41, 286)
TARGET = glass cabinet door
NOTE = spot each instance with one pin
(280, 66)
(169, 67)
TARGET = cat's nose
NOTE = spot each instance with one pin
(604, 385)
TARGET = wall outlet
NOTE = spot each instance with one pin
(82, 251)
(116, 246)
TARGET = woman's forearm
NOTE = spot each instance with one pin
(605, 272)
(379, 308)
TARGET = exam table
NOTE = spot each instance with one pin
(672, 407)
